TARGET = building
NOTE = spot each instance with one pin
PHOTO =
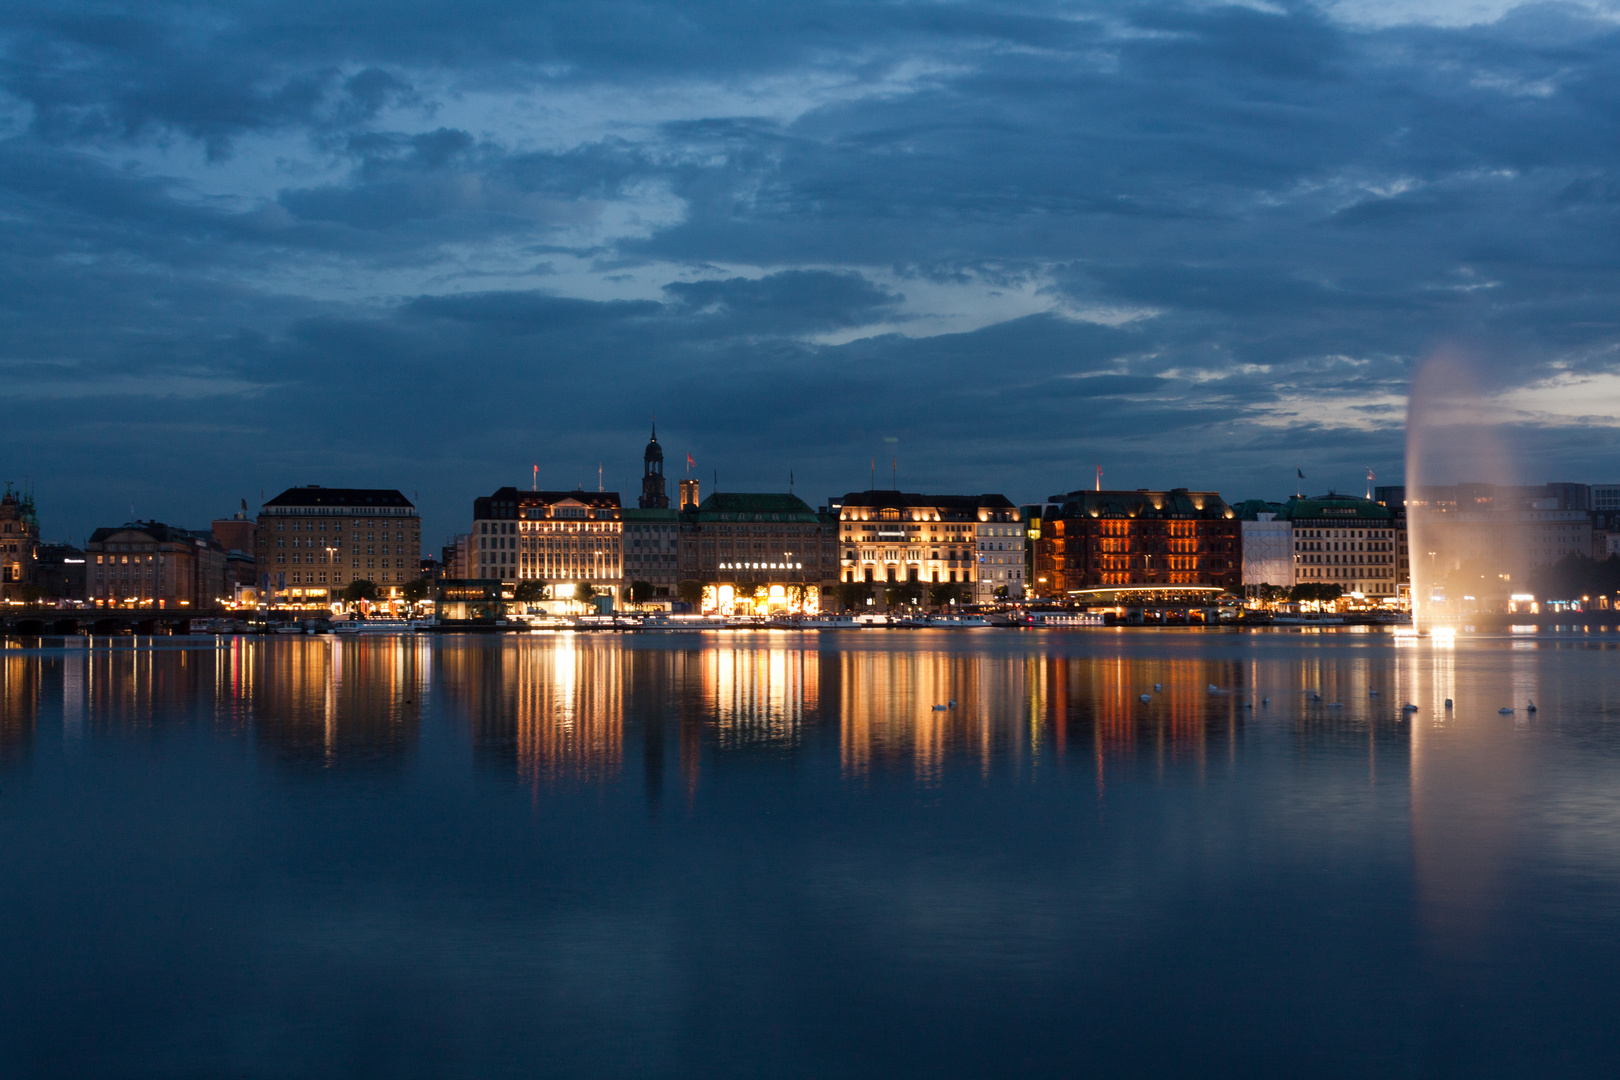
(1605, 533)
(147, 564)
(652, 546)
(998, 547)
(1489, 537)
(1032, 515)
(1603, 497)
(561, 538)
(314, 541)
(1144, 539)
(654, 495)
(19, 545)
(1267, 542)
(238, 535)
(689, 495)
(1347, 541)
(897, 536)
(460, 600)
(59, 571)
(758, 552)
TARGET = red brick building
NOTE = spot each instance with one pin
(1149, 539)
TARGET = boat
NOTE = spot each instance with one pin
(830, 622)
(1307, 618)
(680, 623)
(1064, 618)
(373, 626)
(962, 622)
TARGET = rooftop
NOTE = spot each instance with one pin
(315, 495)
(743, 506)
(1143, 503)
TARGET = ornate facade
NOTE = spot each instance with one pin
(19, 544)
(561, 538)
(1147, 539)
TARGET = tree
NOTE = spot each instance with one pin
(691, 592)
(584, 593)
(1318, 591)
(359, 589)
(902, 594)
(946, 593)
(529, 592)
(1001, 591)
(415, 591)
(641, 592)
(1575, 576)
(852, 595)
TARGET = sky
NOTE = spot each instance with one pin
(987, 246)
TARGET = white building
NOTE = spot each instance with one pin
(999, 546)
(1268, 551)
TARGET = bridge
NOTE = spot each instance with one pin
(56, 623)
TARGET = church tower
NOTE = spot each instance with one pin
(654, 496)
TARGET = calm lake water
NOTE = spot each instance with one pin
(769, 855)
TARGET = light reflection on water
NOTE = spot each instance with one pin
(692, 828)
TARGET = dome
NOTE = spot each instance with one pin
(654, 451)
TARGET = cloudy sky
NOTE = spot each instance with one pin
(425, 246)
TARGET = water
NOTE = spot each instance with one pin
(767, 855)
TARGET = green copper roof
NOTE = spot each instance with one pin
(731, 506)
(1336, 507)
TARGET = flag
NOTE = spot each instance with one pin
(1300, 471)
(689, 461)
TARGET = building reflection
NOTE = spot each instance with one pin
(1019, 711)
(20, 690)
(331, 702)
(547, 708)
(132, 689)
(760, 696)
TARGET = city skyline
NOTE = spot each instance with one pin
(1196, 244)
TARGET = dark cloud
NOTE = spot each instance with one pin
(788, 302)
(247, 245)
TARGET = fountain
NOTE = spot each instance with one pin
(1466, 541)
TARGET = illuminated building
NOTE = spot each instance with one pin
(19, 544)
(1346, 541)
(313, 541)
(563, 538)
(758, 552)
(1099, 539)
(149, 564)
(898, 536)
